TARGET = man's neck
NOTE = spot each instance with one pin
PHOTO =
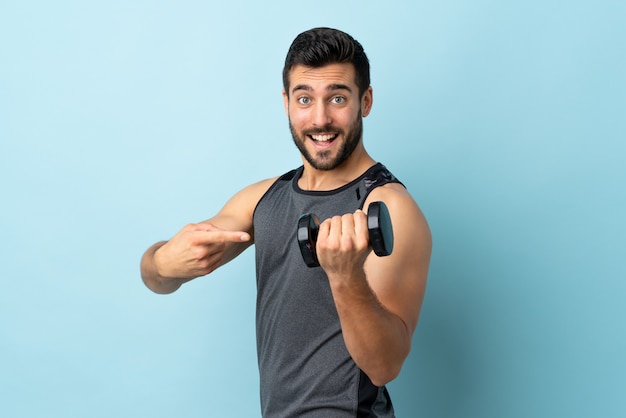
(321, 180)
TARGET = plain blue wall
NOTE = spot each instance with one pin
(120, 121)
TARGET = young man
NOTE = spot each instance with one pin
(328, 338)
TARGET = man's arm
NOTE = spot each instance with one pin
(378, 298)
(198, 249)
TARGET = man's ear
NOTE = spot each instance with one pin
(366, 102)
(286, 101)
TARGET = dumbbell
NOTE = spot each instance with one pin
(378, 226)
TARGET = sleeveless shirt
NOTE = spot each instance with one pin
(305, 368)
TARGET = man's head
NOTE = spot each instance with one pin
(318, 47)
(326, 96)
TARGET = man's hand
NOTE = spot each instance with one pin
(343, 245)
(196, 250)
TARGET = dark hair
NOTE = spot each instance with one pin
(322, 46)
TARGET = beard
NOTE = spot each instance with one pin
(323, 160)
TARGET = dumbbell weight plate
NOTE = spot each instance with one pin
(308, 227)
(380, 229)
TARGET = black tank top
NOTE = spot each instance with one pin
(305, 368)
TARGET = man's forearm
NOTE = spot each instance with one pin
(377, 339)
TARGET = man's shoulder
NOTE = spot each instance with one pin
(255, 192)
(259, 188)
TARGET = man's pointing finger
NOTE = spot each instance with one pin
(224, 236)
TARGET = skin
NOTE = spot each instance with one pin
(378, 299)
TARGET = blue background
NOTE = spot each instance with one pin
(121, 121)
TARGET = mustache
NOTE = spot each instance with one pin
(322, 130)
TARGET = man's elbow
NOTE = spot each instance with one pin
(382, 378)
(388, 367)
(385, 373)
(159, 287)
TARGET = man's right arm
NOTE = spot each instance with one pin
(198, 249)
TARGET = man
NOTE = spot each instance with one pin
(328, 338)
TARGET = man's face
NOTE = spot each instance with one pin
(325, 113)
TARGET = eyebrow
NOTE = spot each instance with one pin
(331, 87)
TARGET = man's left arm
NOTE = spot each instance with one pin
(378, 298)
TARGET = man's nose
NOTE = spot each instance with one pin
(321, 115)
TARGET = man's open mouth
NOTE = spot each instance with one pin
(323, 137)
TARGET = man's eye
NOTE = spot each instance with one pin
(304, 100)
(338, 99)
